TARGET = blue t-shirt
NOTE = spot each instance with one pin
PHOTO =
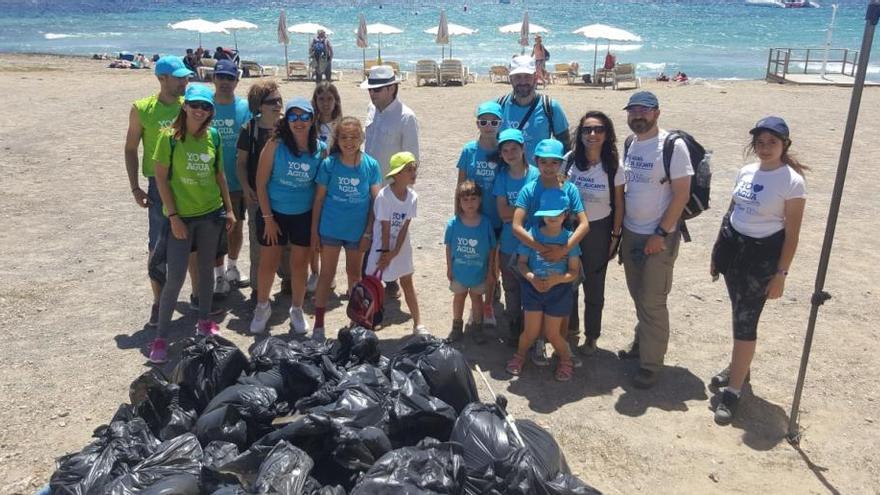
(470, 248)
(538, 126)
(477, 166)
(529, 199)
(344, 215)
(509, 188)
(292, 183)
(540, 266)
(228, 120)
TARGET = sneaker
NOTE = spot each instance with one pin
(576, 360)
(538, 354)
(312, 283)
(421, 330)
(457, 331)
(318, 335)
(726, 408)
(632, 353)
(154, 316)
(478, 334)
(564, 371)
(489, 316)
(515, 365)
(262, 312)
(159, 351)
(207, 328)
(589, 347)
(234, 278)
(221, 285)
(645, 378)
(298, 323)
(722, 379)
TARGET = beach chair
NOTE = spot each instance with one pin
(252, 69)
(427, 70)
(369, 64)
(402, 75)
(625, 73)
(563, 71)
(297, 70)
(499, 73)
(452, 70)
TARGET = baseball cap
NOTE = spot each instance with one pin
(643, 99)
(226, 67)
(522, 64)
(490, 107)
(299, 102)
(515, 135)
(399, 161)
(552, 203)
(199, 92)
(172, 65)
(549, 148)
(772, 124)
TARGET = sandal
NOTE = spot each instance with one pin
(564, 371)
(515, 365)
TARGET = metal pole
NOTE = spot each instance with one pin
(819, 295)
(828, 39)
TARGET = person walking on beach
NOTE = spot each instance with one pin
(651, 234)
(540, 54)
(145, 120)
(321, 55)
(191, 182)
(755, 247)
(537, 116)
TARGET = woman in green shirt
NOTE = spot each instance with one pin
(189, 174)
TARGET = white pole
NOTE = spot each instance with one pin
(828, 39)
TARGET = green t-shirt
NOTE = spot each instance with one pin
(193, 171)
(154, 116)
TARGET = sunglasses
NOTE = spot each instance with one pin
(305, 117)
(593, 129)
(492, 123)
(376, 90)
(200, 105)
(272, 101)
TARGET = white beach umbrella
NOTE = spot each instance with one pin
(308, 28)
(523, 28)
(234, 25)
(200, 26)
(444, 30)
(379, 29)
(282, 36)
(604, 32)
(361, 37)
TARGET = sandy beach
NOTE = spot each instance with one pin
(74, 297)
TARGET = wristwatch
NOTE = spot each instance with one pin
(659, 231)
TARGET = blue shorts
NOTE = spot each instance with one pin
(157, 219)
(555, 302)
(334, 242)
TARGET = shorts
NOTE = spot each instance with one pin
(295, 229)
(457, 288)
(334, 242)
(498, 234)
(157, 220)
(555, 302)
(237, 198)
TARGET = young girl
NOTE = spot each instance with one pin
(479, 162)
(342, 216)
(189, 175)
(515, 172)
(548, 155)
(394, 209)
(470, 251)
(755, 247)
(286, 191)
(547, 294)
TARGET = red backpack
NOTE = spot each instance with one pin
(366, 301)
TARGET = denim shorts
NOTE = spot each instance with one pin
(157, 220)
(334, 242)
(555, 302)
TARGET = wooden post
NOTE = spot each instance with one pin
(845, 59)
(785, 66)
(807, 61)
(769, 59)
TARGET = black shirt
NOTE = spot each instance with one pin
(244, 144)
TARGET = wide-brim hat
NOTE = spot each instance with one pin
(379, 77)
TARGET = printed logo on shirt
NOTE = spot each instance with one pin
(638, 170)
(467, 246)
(165, 123)
(588, 187)
(485, 168)
(747, 191)
(397, 219)
(298, 170)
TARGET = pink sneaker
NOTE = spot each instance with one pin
(207, 328)
(159, 351)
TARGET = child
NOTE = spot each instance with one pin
(546, 290)
(391, 252)
(348, 182)
(470, 251)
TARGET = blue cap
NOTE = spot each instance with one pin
(226, 67)
(515, 135)
(490, 107)
(643, 99)
(171, 65)
(299, 102)
(199, 92)
(553, 203)
(549, 148)
(772, 124)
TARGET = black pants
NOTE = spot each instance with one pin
(594, 263)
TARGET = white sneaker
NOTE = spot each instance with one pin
(312, 283)
(221, 285)
(233, 277)
(421, 330)
(262, 312)
(318, 334)
(298, 323)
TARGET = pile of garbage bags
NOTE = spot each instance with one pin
(315, 419)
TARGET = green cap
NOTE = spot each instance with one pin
(398, 162)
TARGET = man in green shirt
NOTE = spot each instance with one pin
(147, 117)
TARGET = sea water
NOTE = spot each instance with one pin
(710, 39)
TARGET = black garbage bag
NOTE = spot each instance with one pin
(179, 484)
(567, 484)
(445, 369)
(416, 414)
(223, 424)
(273, 350)
(269, 377)
(313, 487)
(481, 431)
(175, 457)
(162, 405)
(431, 467)
(214, 455)
(301, 379)
(356, 409)
(208, 366)
(252, 401)
(358, 449)
(354, 346)
(281, 469)
(365, 377)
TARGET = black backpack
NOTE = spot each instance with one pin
(698, 202)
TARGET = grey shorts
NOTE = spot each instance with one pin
(458, 289)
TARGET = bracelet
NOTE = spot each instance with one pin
(172, 214)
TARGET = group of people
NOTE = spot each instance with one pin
(540, 207)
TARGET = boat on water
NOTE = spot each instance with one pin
(785, 4)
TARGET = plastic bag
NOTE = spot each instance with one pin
(161, 405)
(223, 424)
(207, 367)
(178, 456)
(301, 379)
(358, 449)
(280, 469)
(445, 369)
(430, 467)
(354, 346)
(415, 414)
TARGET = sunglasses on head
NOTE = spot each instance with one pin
(305, 117)
(272, 101)
(200, 105)
(593, 129)
(492, 123)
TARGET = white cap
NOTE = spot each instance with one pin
(522, 64)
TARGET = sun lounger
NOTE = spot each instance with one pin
(625, 73)
(297, 70)
(427, 70)
(499, 73)
(397, 72)
(451, 69)
(563, 71)
(253, 69)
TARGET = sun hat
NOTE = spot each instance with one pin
(522, 64)
(398, 162)
(772, 124)
(199, 92)
(643, 99)
(549, 148)
(491, 107)
(226, 67)
(514, 135)
(172, 65)
(300, 103)
(379, 77)
(552, 203)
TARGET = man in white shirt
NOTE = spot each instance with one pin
(654, 202)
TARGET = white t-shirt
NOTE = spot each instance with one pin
(648, 193)
(592, 184)
(390, 131)
(759, 199)
(390, 209)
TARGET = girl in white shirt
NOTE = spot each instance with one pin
(755, 247)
